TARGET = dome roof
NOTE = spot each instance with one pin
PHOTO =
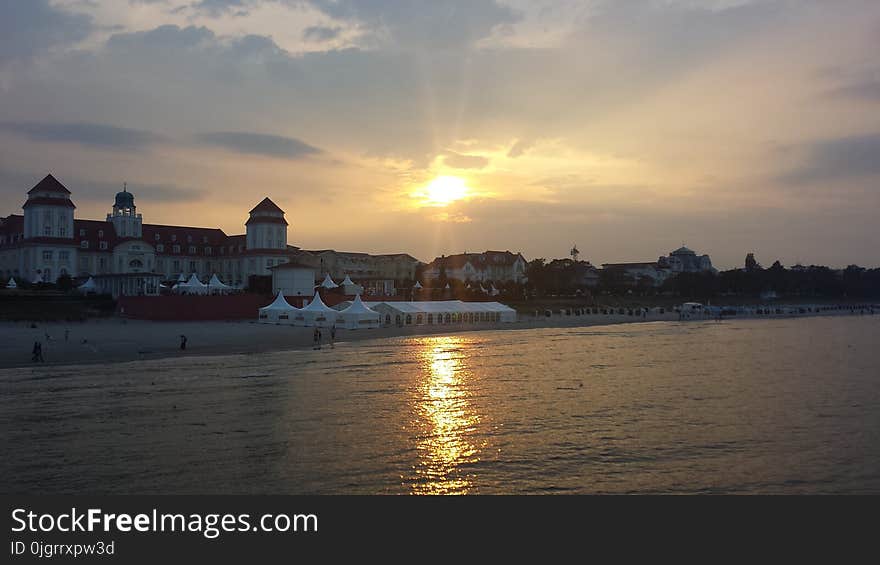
(683, 251)
(124, 199)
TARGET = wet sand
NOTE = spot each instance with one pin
(117, 340)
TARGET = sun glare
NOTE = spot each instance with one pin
(444, 190)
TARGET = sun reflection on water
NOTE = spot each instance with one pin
(445, 419)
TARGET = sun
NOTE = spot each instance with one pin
(444, 190)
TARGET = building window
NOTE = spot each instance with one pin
(82, 233)
(268, 263)
(192, 249)
(175, 266)
(174, 237)
(192, 266)
(189, 239)
(222, 250)
(160, 248)
(103, 245)
(208, 251)
(205, 239)
(160, 264)
(158, 237)
(136, 247)
(176, 248)
(64, 255)
(100, 233)
(62, 231)
(47, 255)
(47, 230)
(47, 216)
(84, 244)
(102, 262)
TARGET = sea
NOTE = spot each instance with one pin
(780, 406)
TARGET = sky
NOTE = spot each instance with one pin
(626, 127)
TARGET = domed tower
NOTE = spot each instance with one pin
(126, 221)
(266, 226)
(48, 211)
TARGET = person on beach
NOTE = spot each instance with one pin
(66, 334)
(37, 352)
(316, 339)
(333, 336)
(182, 342)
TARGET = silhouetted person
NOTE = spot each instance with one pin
(182, 342)
(66, 334)
(38, 352)
(332, 335)
(316, 339)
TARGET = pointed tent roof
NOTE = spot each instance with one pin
(194, 281)
(347, 281)
(328, 282)
(216, 282)
(88, 285)
(38, 279)
(11, 283)
(447, 286)
(279, 304)
(49, 184)
(181, 278)
(317, 305)
(358, 307)
(417, 285)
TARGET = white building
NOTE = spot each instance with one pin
(47, 242)
(293, 279)
(496, 266)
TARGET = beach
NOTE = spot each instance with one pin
(120, 340)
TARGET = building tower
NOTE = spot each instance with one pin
(126, 221)
(48, 211)
(266, 227)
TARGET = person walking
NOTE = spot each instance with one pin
(316, 339)
(183, 341)
(38, 353)
(66, 334)
(333, 336)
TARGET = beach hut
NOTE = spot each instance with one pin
(358, 315)
(328, 282)
(278, 312)
(11, 283)
(216, 286)
(88, 287)
(316, 313)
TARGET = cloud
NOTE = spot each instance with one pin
(88, 134)
(461, 161)
(320, 34)
(34, 26)
(835, 159)
(217, 8)
(453, 23)
(259, 144)
(168, 37)
(520, 147)
(869, 90)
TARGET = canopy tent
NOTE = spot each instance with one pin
(328, 282)
(215, 285)
(418, 285)
(349, 287)
(347, 281)
(447, 287)
(88, 286)
(181, 278)
(37, 279)
(358, 315)
(195, 286)
(443, 312)
(316, 313)
(279, 311)
(11, 283)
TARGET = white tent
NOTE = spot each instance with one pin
(88, 286)
(316, 313)
(347, 281)
(216, 285)
(349, 287)
(443, 312)
(279, 311)
(358, 315)
(11, 283)
(418, 285)
(447, 287)
(195, 286)
(328, 282)
(181, 278)
(37, 279)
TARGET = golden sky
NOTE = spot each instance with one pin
(430, 127)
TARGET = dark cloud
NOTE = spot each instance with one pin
(32, 26)
(15, 184)
(259, 144)
(217, 8)
(836, 159)
(320, 34)
(92, 135)
(169, 37)
(430, 23)
(461, 161)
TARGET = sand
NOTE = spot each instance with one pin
(118, 340)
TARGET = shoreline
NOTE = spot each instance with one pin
(119, 340)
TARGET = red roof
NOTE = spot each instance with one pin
(266, 205)
(48, 201)
(49, 184)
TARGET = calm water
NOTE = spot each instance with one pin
(778, 406)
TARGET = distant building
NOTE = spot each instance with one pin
(293, 279)
(495, 266)
(379, 275)
(684, 260)
(130, 257)
(568, 273)
(636, 274)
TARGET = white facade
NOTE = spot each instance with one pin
(293, 280)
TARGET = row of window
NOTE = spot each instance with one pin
(62, 255)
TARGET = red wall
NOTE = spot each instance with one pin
(186, 307)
